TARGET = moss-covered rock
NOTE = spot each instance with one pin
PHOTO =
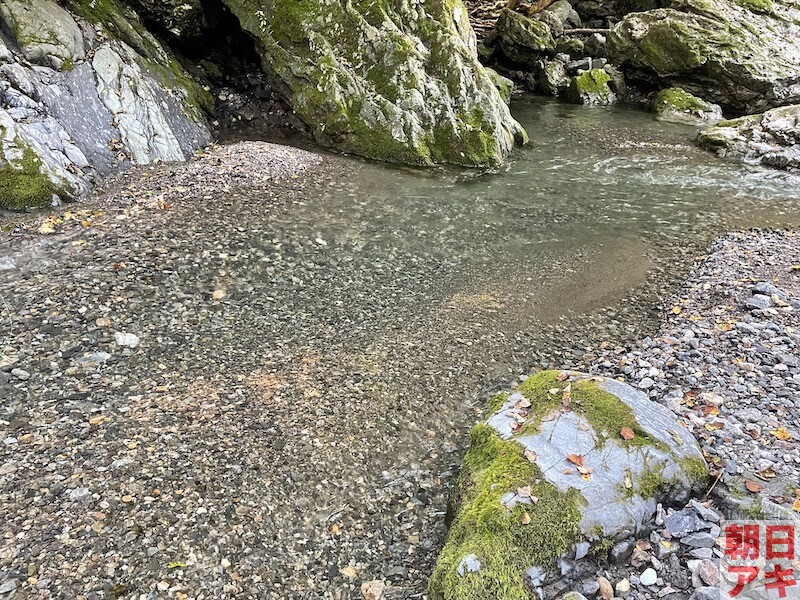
(503, 84)
(564, 459)
(743, 56)
(22, 182)
(771, 138)
(554, 79)
(46, 33)
(592, 88)
(675, 104)
(521, 39)
(394, 81)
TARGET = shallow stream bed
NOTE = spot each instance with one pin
(313, 351)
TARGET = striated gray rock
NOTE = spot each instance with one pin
(771, 138)
(741, 55)
(564, 460)
(90, 106)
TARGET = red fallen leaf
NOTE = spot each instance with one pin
(753, 486)
(627, 433)
(575, 459)
(563, 376)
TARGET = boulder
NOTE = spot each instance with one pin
(553, 79)
(741, 55)
(592, 88)
(675, 104)
(521, 39)
(46, 33)
(503, 84)
(771, 138)
(566, 15)
(564, 462)
(398, 81)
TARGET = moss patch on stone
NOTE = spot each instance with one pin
(606, 413)
(23, 185)
(678, 100)
(504, 545)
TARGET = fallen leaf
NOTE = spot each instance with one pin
(782, 434)
(676, 310)
(562, 376)
(796, 505)
(176, 565)
(586, 476)
(628, 481)
(98, 420)
(575, 459)
(627, 433)
(753, 486)
(524, 492)
(567, 471)
(335, 528)
(766, 474)
(531, 456)
(584, 427)
(553, 391)
(585, 470)
(526, 519)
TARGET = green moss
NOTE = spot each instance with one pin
(678, 100)
(672, 47)
(761, 7)
(496, 403)
(695, 469)
(23, 185)
(496, 535)
(604, 412)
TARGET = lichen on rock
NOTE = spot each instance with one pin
(394, 81)
(565, 459)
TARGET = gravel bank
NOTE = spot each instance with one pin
(201, 396)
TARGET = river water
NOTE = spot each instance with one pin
(360, 328)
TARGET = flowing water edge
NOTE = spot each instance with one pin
(311, 362)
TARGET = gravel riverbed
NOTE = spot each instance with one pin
(203, 397)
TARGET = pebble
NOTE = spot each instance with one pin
(126, 340)
(648, 577)
(20, 374)
(604, 588)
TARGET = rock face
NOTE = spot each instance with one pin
(395, 81)
(675, 104)
(741, 55)
(91, 103)
(566, 465)
(771, 138)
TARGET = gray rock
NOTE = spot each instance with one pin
(573, 596)
(699, 539)
(8, 586)
(706, 593)
(554, 80)
(768, 289)
(46, 33)
(126, 340)
(771, 139)
(648, 577)
(675, 104)
(759, 302)
(20, 374)
(590, 587)
(621, 550)
(684, 522)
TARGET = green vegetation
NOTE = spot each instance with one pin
(23, 185)
(680, 101)
(504, 545)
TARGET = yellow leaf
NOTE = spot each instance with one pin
(782, 434)
(349, 572)
(526, 519)
(796, 505)
(176, 565)
(676, 310)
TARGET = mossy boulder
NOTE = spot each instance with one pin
(554, 79)
(46, 33)
(23, 182)
(565, 460)
(675, 104)
(771, 138)
(503, 84)
(739, 55)
(592, 88)
(394, 81)
(521, 39)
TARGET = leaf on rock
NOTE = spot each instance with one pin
(627, 433)
(531, 456)
(553, 391)
(628, 481)
(766, 474)
(575, 459)
(524, 492)
(562, 376)
(753, 486)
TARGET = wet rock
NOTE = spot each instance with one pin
(522, 39)
(675, 104)
(771, 138)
